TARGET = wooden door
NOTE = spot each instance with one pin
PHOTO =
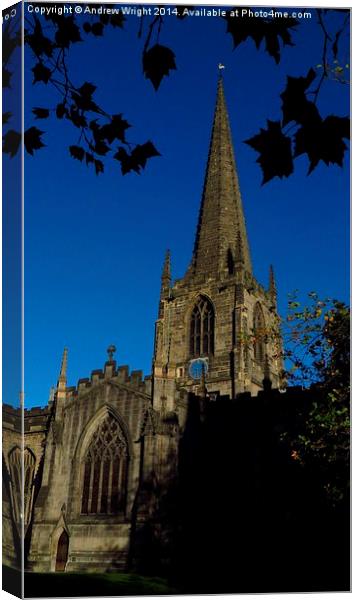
(62, 551)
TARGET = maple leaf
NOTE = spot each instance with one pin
(323, 140)
(6, 78)
(32, 140)
(77, 118)
(275, 151)
(11, 142)
(142, 152)
(295, 106)
(258, 29)
(6, 117)
(117, 20)
(125, 159)
(97, 29)
(101, 148)
(41, 73)
(83, 97)
(41, 113)
(137, 159)
(115, 129)
(39, 43)
(9, 43)
(158, 62)
(60, 110)
(77, 152)
(68, 32)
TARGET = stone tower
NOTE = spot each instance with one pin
(217, 318)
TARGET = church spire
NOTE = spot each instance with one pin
(221, 237)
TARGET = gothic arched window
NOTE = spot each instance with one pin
(259, 334)
(16, 477)
(105, 470)
(29, 473)
(202, 328)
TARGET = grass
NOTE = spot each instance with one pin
(39, 585)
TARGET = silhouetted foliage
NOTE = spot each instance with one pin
(300, 131)
(259, 29)
(11, 142)
(158, 61)
(317, 351)
(275, 151)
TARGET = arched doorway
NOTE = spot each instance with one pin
(62, 551)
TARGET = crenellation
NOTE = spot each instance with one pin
(123, 373)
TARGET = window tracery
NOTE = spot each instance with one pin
(202, 328)
(105, 470)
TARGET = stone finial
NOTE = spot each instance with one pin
(62, 380)
(51, 397)
(111, 351)
(165, 282)
(272, 284)
(166, 271)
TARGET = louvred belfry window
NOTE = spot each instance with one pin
(105, 470)
(202, 328)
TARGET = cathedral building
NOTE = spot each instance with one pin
(90, 453)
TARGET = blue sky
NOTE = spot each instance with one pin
(94, 246)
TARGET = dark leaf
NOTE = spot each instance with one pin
(87, 27)
(157, 62)
(101, 148)
(9, 43)
(295, 105)
(32, 140)
(87, 89)
(11, 142)
(99, 167)
(41, 113)
(275, 151)
(143, 152)
(137, 159)
(6, 78)
(97, 29)
(89, 158)
(41, 73)
(117, 20)
(77, 118)
(6, 117)
(68, 32)
(60, 110)
(83, 97)
(39, 43)
(323, 140)
(115, 129)
(274, 32)
(77, 152)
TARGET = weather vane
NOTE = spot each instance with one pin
(221, 66)
(110, 350)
